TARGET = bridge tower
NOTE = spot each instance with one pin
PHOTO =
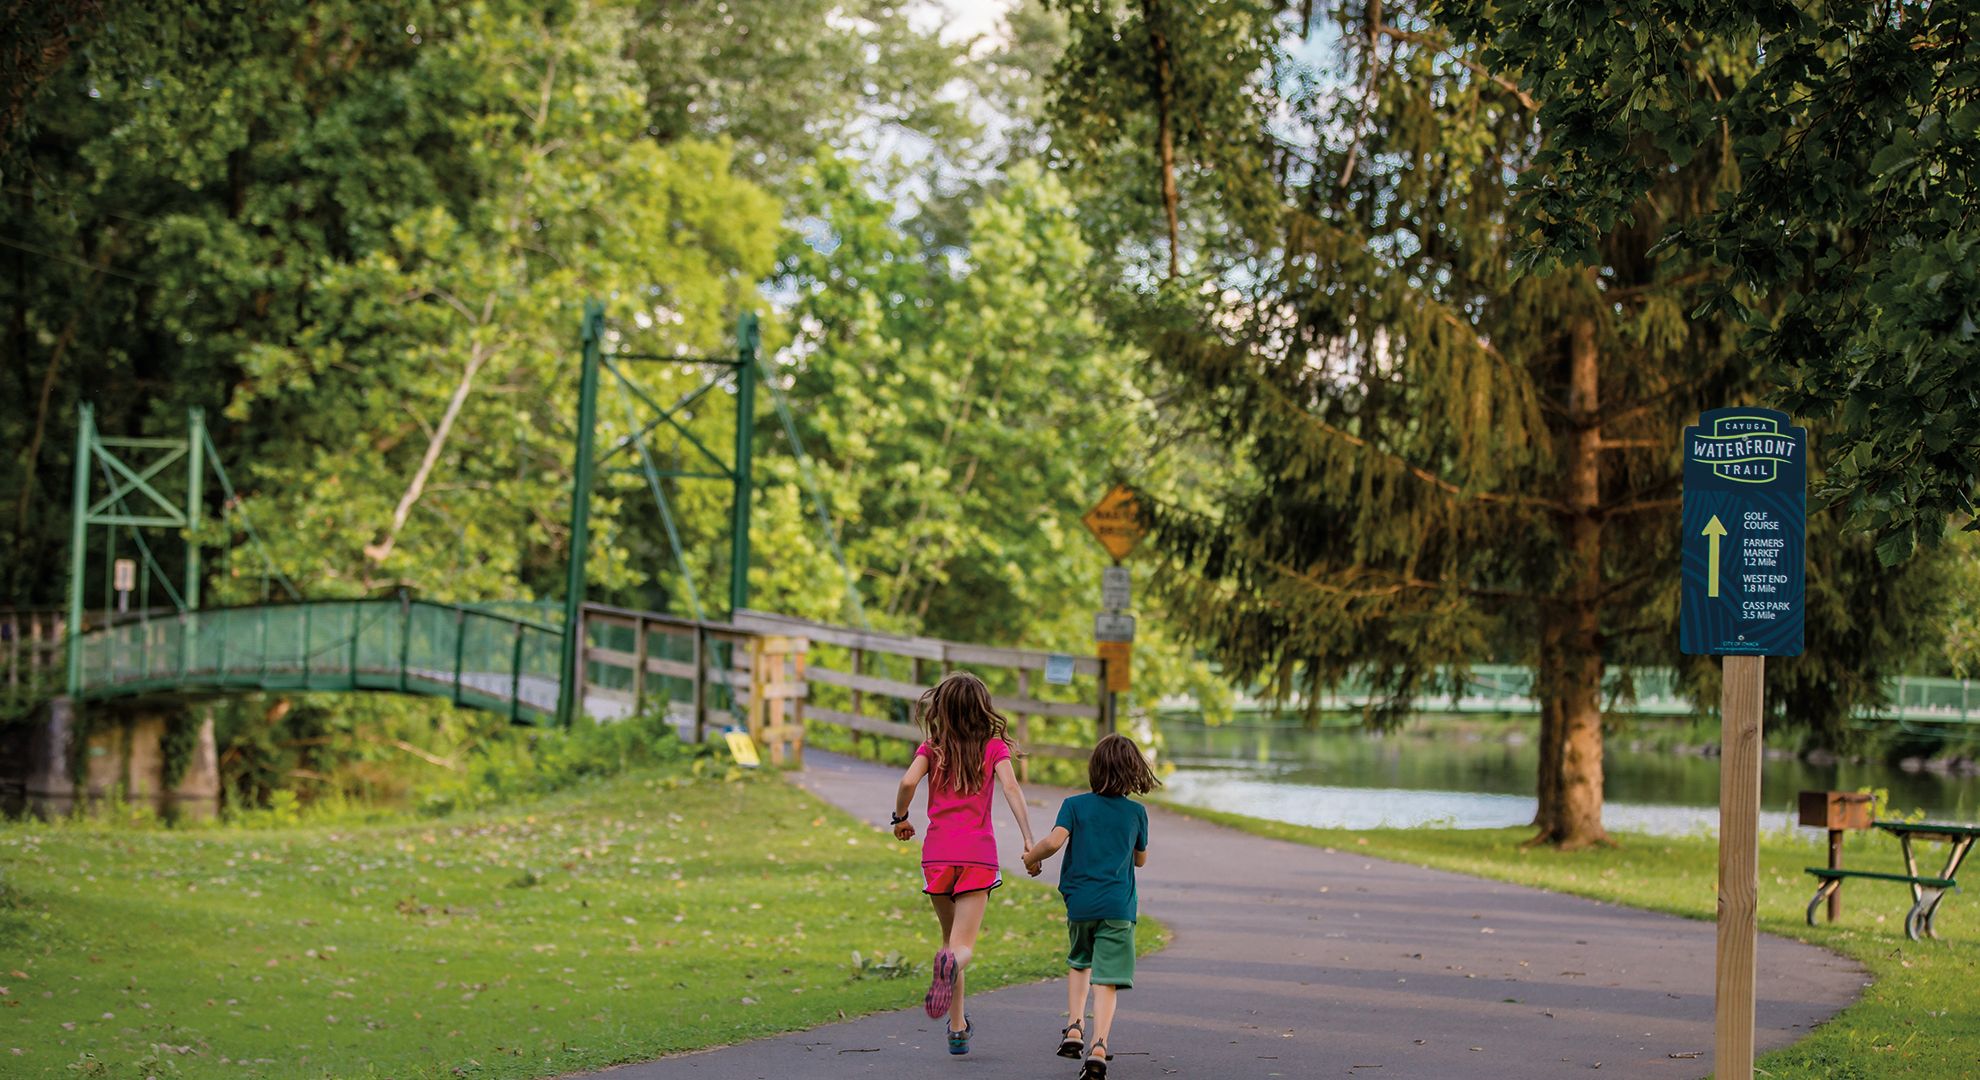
(597, 360)
(99, 453)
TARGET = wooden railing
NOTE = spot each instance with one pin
(847, 668)
(695, 670)
(33, 646)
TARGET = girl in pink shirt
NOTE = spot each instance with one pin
(968, 743)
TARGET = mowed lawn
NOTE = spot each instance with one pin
(637, 917)
(1920, 1015)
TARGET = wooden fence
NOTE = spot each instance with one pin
(847, 669)
(33, 644)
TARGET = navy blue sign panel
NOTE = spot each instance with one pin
(1745, 534)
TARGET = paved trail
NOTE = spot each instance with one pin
(1295, 961)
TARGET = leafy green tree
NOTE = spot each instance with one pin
(35, 39)
(965, 413)
(367, 241)
(788, 80)
(1846, 246)
(1157, 99)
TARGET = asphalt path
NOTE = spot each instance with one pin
(1289, 960)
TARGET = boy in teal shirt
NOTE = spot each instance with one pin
(1105, 835)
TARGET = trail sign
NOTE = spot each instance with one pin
(1745, 530)
(1113, 626)
(1058, 669)
(1115, 588)
(1119, 656)
(1116, 522)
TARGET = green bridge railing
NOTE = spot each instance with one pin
(505, 663)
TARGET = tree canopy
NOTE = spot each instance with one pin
(1846, 243)
(1437, 459)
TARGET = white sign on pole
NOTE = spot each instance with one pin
(1113, 626)
(1058, 669)
(1115, 589)
(125, 571)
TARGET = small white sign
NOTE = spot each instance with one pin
(1113, 626)
(1115, 589)
(125, 571)
(1058, 669)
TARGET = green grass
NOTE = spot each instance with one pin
(1919, 1018)
(620, 921)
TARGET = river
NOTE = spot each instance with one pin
(1456, 776)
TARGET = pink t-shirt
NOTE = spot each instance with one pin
(959, 825)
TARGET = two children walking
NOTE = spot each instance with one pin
(1104, 834)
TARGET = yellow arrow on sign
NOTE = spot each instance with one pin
(1714, 530)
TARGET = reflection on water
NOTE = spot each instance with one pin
(1350, 780)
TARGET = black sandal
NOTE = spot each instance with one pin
(1093, 1069)
(1101, 1044)
(1070, 1047)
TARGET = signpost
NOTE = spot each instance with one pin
(1117, 525)
(124, 571)
(1745, 525)
(1113, 626)
(1115, 589)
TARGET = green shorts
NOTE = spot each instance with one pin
(1106, 946)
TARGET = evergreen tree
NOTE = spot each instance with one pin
(1440, 461)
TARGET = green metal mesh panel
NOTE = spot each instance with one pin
(477, 658)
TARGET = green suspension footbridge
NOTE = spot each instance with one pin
(534, 663)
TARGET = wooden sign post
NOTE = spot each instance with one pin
(1744, 541)
(1739, 863)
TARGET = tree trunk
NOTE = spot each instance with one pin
(1547, 786)
(1576, 693)
(1165, 141)
(382, 550)
(62, 343)
(1578, 815)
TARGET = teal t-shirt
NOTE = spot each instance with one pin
(1097, 875)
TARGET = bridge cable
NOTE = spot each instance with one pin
(674, 541)
(818, 503)
(143, 548)
(234, 503)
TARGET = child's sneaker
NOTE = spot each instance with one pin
(959, 1040)
(942, 986)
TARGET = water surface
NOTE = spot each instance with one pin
(1351, 780)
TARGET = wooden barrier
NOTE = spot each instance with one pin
(870, 649)
(33, 642)
(708, 655)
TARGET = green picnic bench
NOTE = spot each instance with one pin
(1926, 892)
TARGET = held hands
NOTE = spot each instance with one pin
(1032, 860)
(903, 829)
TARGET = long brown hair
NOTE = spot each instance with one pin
(959, 721)
(1117, 768)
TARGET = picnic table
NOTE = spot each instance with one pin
(1926, 892)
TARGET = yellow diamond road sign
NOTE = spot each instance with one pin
(1116, 522)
